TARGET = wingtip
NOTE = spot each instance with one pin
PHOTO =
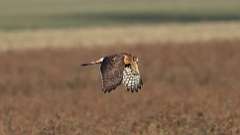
(106, 91)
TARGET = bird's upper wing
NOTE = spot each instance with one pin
(132, 81)
(112, 72)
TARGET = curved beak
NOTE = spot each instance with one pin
(134, 66)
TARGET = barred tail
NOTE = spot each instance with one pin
(93, 62)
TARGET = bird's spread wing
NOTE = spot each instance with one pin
(112, 72)
(132, 81)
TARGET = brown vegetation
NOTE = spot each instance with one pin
(188, 89)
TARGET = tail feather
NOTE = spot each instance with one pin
(93, 62)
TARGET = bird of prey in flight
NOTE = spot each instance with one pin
(119, 69)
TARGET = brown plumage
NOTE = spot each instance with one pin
(119, 69)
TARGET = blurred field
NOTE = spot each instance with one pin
(189, 88)
(34, 14)
(118, 36)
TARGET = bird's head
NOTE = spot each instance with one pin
(132, 61)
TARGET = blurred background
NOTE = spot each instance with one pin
(33, 14)
(42, 24)
(189, 61)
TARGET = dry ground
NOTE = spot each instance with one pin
(189, 89)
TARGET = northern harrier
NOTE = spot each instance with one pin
(119, 69)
